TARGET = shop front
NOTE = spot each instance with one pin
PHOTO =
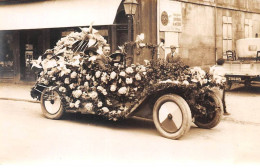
(6, 55)
(32, 27)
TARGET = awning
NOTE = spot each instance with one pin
(58, 13)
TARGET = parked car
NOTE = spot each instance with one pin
(172, 95)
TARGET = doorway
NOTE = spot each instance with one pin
(31, 47)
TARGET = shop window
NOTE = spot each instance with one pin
(227, 35)
(248, 28)
(6, 55)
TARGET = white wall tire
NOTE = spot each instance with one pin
(172, 116)
(51, 104)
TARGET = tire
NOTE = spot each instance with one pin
(173, 123)
(211, 121)
(52, 109)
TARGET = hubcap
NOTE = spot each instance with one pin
(53, 102)
(170, 117)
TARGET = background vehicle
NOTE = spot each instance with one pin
(243, 65)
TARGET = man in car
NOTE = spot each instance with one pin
(103, 59)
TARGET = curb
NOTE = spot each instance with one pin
(16, 99)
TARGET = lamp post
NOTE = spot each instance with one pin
(130, 9)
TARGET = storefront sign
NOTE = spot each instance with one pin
(170, 16)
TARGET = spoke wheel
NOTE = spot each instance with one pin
(172, 116)
(51, 104)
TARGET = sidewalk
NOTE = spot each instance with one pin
(16, 92)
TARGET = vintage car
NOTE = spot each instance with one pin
(172, 95)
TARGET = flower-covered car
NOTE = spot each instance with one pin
(70, 80)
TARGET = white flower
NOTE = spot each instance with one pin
(113, 112)
(77, 93)
(205, 81)
(138, 77)
(104, 78)
(46, 82)
(113, 88)
(72, 86)
(135, 89)
(100, 104)
(142, 68)
(98, 74)
(88, 77)
(194, 80)
(142, 45)
(185, 82)
(146, 62)
(84, 95)
(144, 73)
(119, 112)
(51, 72)
(53, 78)
(88, 107)
(129, 80)
(122, 90)
(104, 92)
(77, 103)
(109, 102)
(62, 89)
(86, 85)
(100, 88)
(73, 74)
(84, 72)
(67, 98)
(72, 105)
(129, 70)
(95, 83)
(122, 73)
(67, 81)
(93, 94)
(113, 75)
(140, 38)
(67, 71)
(105, 109)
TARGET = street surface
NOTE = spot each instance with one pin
(29, 139)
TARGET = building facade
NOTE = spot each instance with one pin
(202, 30)
(205, 29)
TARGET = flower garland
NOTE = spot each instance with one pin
(113, 93)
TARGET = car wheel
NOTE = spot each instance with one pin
(213, 113)
(172, 116)
(51, 104)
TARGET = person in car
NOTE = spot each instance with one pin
(103, 59)
(91, 51)
(117, 57)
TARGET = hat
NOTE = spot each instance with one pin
(93, 49)
(116, 53)
(172, 46)
(48, 51)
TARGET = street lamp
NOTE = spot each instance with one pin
(130, 9)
